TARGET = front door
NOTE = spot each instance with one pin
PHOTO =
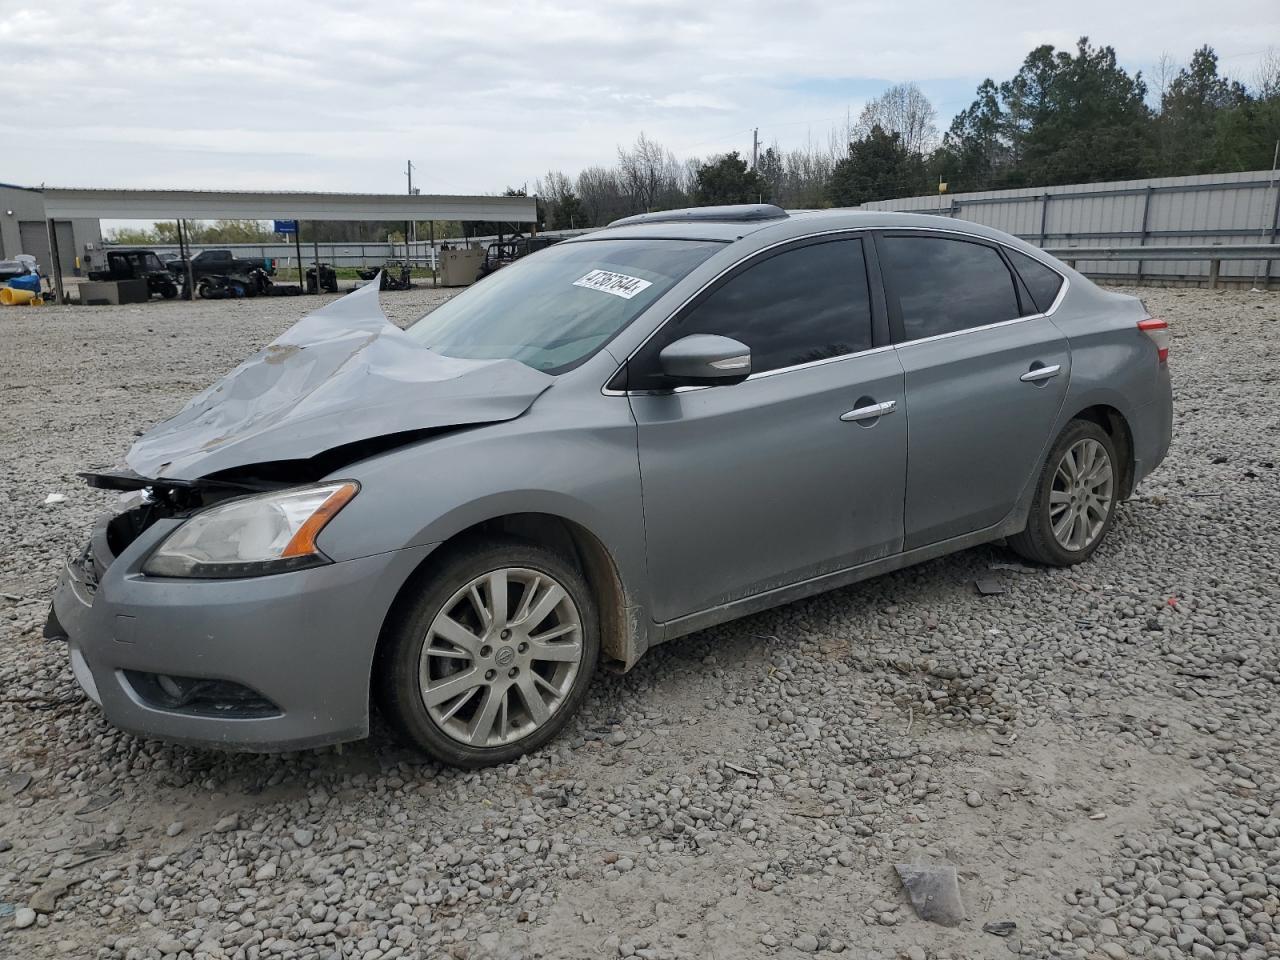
(783, 477)
(986, 375)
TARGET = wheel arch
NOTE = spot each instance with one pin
(623, 627)
(1116, 426)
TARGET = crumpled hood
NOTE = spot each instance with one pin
(342, 374)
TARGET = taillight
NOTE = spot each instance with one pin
(1159, 333)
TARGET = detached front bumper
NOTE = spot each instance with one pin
(280, 662)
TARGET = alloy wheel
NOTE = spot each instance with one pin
(500, 657)
(1081, 497)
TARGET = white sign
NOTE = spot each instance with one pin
(619, 284)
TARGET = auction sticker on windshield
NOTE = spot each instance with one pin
(618, 284)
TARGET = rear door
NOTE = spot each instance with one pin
(760, 484)
(986, 374)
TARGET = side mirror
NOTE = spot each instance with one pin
(702, 359)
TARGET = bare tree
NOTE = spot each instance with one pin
(1266, 79)
(1162, 75)
(806, 172)
(905, 110)
(839, 137)
(555, 187)
(649, 173)
(601, 194)
(689, 174)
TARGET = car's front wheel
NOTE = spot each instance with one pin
(493, 654)
(1075, 498)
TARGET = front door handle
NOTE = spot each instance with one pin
(1036, 374)
(870, 412)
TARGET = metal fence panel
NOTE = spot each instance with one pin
(1204, 209)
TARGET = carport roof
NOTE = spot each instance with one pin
(65, 203)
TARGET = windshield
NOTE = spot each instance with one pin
(555, 308)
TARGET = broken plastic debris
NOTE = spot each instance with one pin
(989, 587)
(1014, 567)
(934, 891)
(999, 928)
(56, 498)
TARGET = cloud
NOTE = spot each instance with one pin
(321, 94)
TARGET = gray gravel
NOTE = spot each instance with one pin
(1095, 750)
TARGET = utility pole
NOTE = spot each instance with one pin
(755, 146)
(409, 173)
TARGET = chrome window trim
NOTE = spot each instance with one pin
(754, 376)
(959, 333)
(819, 363)
(1062, 292)
(1057, 301)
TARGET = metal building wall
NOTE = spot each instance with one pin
(1206, 209)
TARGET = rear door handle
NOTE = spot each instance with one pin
(870, 412)
(1037, 374)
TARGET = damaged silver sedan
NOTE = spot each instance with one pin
(624, 438)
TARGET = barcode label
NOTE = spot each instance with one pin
(618, 284)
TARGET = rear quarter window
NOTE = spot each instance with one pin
(1043, 282)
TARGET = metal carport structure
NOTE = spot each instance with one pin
(62, 203)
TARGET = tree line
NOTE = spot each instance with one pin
(1064, 117)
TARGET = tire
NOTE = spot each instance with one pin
(488, 672)
(168, 291)
(1042, 540)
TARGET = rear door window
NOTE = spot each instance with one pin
(940, 285)
(1043, 282)
(807, 303)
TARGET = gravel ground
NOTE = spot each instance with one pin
(1095, 750)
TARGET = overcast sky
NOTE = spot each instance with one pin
(309, 94)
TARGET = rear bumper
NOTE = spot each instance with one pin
(304, 641)
(1152, 428)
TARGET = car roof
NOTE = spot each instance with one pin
(797, 224)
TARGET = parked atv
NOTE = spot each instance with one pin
(395, 275)
(221, 287)
(500, 253)
(328, 279)
(138, 265)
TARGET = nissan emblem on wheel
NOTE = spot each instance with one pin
(620, 439)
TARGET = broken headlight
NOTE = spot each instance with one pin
(251, 536)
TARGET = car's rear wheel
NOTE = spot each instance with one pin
(1075, 499)
(493, 655)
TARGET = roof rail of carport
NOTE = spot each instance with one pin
(67, 203)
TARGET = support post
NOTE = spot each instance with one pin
(1044, 217)
(1146, 219)
(1214, 267)
(56, 256)
(315, 246)
(435, 262)
(297, 249)
(1275, 228)
(189, 286)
